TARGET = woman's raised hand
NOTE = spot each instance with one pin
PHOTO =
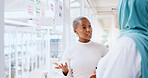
(63, 67)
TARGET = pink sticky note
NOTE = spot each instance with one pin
(30, 9)
(38, 22)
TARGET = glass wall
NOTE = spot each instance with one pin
(25, 51)
(33, 37)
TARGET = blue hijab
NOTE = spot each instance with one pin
(133, 23)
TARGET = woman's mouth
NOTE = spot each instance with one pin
(89, 34)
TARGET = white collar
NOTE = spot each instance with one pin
(87, 43)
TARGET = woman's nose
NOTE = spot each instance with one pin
(89, 29)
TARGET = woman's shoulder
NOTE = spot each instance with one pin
(96, 44)
(124, 44)
(125, 41)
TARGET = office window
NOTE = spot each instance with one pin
(33, 37)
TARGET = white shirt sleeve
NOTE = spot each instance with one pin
(122, 61)
(66, 58)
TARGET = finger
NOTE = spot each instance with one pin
(66, 64)
(56, 64)
(62, 65)
(95, 71)
(92, 76)
(57, 67)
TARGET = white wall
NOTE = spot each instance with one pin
(2, 63)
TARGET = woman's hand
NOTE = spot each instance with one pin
(63, 67)
(93, 76)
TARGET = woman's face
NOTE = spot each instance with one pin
(84, 30)
(115, 19)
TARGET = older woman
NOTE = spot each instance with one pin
(128, 58)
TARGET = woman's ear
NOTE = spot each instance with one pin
(75, 31)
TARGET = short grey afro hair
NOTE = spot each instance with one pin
(77, 20)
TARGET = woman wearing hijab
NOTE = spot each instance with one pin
(128, 57)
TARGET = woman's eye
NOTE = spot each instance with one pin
(84, 27)
(89, 25)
